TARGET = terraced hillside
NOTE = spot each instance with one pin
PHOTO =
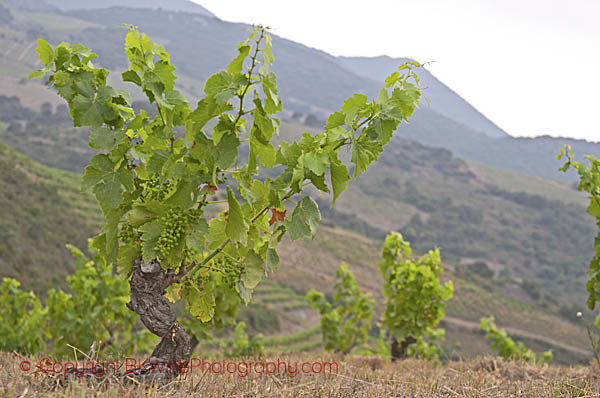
(41, 210)
(311, 264)
(279, 312)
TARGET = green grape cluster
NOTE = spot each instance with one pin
(231, 271)
(175, 223)
(128, 234)
(156, 189)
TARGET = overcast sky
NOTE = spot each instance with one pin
(531, 66)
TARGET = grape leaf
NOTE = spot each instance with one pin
(106, 181)
(201, 304)
(272, 259)
(236, 228)
(150, 233)
(352, 106)
(227, 151)
(221, 86)
(104, 140)
(127, 254)
(336, 119)
(316, 162)
(363, 154)
(276, 215)
(339, 178)
(45, 51)
(253, 270)
(197, 236)
(235, 67)
(244, 293)
(207, 109)
(304, 220)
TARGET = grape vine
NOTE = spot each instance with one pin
(154, 172)
(346, 322)
(414, 298)
(589, 181)
(507, 348)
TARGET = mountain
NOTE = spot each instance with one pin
(449, 122)
(37, 5)
(307, 76)
(170, 5)
(442, 98)
(534, 156)
(311, 82)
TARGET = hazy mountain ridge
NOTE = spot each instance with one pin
(451, 122)
(535, 156)
(443, 99)
(312, 81)
(170, 5)
(37, 5)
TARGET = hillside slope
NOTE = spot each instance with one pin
(41, 210)
(539, 233)
(525, 227)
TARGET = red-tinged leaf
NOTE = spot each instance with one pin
(210, 188)
(276, 216)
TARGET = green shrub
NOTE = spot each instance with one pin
(345, 324)
(244, 346)
(414, 298)
(94, 311)
(507, 348)
(22, 320)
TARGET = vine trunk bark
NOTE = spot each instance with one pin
(172, 354)
(400, 350)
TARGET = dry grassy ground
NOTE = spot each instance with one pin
(356, 377)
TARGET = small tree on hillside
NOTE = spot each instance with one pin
(414, 296)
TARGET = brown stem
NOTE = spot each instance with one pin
(148, 283)
(400, 350)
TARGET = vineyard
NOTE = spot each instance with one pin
(207, 229)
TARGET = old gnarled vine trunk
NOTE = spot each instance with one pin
(148, 283)
(400, 350)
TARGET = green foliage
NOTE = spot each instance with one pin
(413, 293)
(242, 345)
(227, 302)
(22, 319)
(382, 347)
(507, 348)
(154, 173)
(94, 311)
(345, 324)
(589, 181)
